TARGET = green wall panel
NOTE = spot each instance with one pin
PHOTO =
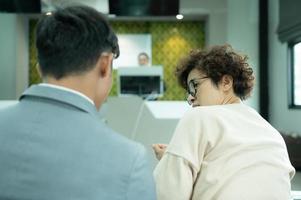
(170, 42)
(34, 76)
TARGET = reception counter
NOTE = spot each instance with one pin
(146, 122)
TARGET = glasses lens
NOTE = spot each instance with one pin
(191, 89)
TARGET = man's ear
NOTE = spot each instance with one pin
(227, 83)
(105, 64)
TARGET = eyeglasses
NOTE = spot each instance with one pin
(192, 88)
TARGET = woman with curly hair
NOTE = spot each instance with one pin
(222, 148)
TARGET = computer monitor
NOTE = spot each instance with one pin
(146, 82)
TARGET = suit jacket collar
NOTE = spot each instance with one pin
(61, 96)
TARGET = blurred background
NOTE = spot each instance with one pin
(146, 102)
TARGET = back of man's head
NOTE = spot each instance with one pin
(71, 40)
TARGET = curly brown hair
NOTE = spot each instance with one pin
(217, 62)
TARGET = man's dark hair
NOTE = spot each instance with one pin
(143, 54)
(71, 40)
(217, 62)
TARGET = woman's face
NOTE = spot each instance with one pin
(203, 92)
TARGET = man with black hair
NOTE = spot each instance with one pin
(52, 143)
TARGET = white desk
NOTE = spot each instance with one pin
(6, 103)
(296, 195)
(146, 122)
(167, 109)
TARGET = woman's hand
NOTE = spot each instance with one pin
(159, 150)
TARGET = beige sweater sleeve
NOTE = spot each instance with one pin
(177, 171)
(174, 178)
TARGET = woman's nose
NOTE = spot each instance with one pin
(190, 99)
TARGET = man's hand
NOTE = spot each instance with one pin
(159, 150)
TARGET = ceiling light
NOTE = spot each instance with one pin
(179, 16)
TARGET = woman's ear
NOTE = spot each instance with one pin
(227, 83)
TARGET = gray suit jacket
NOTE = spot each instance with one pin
(53, 146)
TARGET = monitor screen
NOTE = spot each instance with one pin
(146, 82)
(140, 85)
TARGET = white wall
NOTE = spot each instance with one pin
(22, 54)
(216, 17)
(131, 45)
(242, 34)
(280, 116)
(13, 55)
(7, 56)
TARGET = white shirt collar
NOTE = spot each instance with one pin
(67, 89)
